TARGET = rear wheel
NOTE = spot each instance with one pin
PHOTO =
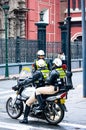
(54, 113)
(13, 109)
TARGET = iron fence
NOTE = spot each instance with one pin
(76, 50)
(21, 50)
(18, 51)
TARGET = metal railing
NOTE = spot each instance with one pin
(15, 68)
(76, 63)
(22, 50)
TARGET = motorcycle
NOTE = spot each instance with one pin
(55, 104)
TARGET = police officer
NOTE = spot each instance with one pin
(53, 83)
(38, 78)
(40, 55)
(61, 55)
(51, 88)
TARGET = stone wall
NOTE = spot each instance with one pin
(16, 18)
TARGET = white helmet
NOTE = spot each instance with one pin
(41, 63)
(57, 62)
(40, 53)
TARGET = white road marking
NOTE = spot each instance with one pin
(7, 96)
(6, 92)
(28, 127)
(13, 126)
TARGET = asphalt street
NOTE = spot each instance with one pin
(74, 119)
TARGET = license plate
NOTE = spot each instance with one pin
(62, 101)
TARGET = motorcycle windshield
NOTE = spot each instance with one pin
(25, 73)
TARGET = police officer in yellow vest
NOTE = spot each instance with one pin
(40, 55)
(55, 81)
(38, 77)
(43, 68)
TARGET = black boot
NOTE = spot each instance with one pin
(41, 103)
(26, 113)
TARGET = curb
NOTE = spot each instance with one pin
(77, 70)
(16, 76)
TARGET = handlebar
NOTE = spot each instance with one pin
(15, 88)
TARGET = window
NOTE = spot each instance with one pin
(0, 24)
(79, 4)
(74, 4)
(46, 15)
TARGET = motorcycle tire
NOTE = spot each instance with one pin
(14, 110)
(54, 113)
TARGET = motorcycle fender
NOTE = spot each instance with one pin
(64, 107)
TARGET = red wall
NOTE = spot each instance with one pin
(56, 14)
(52, 30)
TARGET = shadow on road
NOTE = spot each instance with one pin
(45, 125)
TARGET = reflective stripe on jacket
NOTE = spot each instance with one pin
(45, 73)
(46, 66)
(61, 72)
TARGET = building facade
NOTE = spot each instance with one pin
(76, 18)
(51, 16)
(16, 18)
(23, 14)
(55, 14)
(22, 19)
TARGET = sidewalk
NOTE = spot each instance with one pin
(76, 106)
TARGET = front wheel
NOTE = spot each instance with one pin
(14, 110)
(54, 113)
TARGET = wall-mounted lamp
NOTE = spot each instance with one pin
(41, 16)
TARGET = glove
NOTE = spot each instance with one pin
(56, 87)
(15, 88)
